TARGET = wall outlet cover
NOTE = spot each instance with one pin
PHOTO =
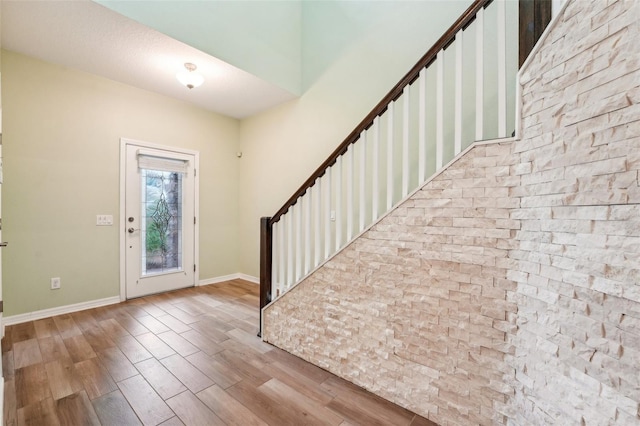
(55, 283)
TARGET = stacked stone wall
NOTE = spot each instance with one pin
(578, 258)
(418, 308)
(507, 289)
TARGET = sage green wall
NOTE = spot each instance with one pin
(281, 147)
(62, 131)
(330, 29)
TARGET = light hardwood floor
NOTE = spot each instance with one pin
(185, 357)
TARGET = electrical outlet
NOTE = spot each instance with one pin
(55, 283)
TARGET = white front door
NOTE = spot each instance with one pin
(159, 220)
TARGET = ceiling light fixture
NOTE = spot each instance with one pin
(190, 78)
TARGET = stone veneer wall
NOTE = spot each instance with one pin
(578, 258)
(507, 290)
(417, 309)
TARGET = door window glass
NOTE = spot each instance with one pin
(161, 227)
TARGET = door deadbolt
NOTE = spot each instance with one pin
(131, 219)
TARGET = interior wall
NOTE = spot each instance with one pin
(577, 343)
(62, 131)
(351, 23)
(283, 146)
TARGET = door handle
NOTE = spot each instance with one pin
(4, 244)
(131, 230)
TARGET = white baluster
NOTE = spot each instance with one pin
(275, 259)
(290, 278)
(375, 189)
(390, 130)
(327, 211)
(283, 254)
(317, 235)
(350, 170)
(307, 230)
(297, 212)
(440, 110)
(405, 141)
(480, 75)
(502, 70)
(422, 126)
(362, 180)
(338, 173)
(458, 93)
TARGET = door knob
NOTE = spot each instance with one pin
(131, 230)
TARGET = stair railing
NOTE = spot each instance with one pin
(456, 94)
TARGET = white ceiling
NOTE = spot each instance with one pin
(87, 36)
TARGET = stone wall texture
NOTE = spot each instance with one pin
(418, 308)
(577, 357)
(507, 289)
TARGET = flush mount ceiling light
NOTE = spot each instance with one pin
(190, 78)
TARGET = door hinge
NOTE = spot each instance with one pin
(195, 173)
(194, 220)
(194, 267)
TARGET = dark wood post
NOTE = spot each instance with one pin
(534, 17)
(266, 239)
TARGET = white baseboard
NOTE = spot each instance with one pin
(67, 309)
(236, 276)
(60, 310)
(250, 278)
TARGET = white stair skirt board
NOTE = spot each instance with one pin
(60, 310)
(236, 276)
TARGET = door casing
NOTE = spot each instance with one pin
(123, 220)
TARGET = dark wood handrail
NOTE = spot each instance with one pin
(447, 38)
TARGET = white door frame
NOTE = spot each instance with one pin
(122, 222)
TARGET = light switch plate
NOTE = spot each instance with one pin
(104, 220)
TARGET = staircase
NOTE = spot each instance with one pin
(461, 91)
(476, 299)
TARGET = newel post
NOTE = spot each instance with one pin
(534, 16)
(265, 264)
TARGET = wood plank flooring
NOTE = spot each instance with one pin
(188, 357)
